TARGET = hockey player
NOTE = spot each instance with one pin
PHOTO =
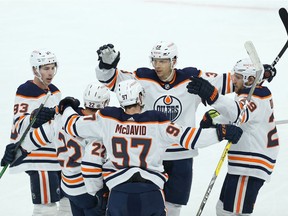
(41, 165)
(252, 160)
(135, 143)
(70, 151)
(166, 92)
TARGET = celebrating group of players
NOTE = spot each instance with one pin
(137, 159)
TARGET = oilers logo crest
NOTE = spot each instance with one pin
(169, 105)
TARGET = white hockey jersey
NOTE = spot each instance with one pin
(91, 166)
(135, 143)
(70, 151)
(170, 98)
(256, 152)
(29, 97)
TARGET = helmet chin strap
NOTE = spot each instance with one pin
(38, 75)
(169, 78)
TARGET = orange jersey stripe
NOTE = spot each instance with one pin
(72, 181)
(70, 123)
(112, 83)
(91, 169)
(228, 83)
(45, 194)
(106, 174)
(240, 194)
(38, 138)
(30, 97)
(189, 138)
(35, 154)
(259, 161)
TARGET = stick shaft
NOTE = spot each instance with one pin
(27, 130)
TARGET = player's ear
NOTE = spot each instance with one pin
(174, 61)
(34, 71)
(250, 80)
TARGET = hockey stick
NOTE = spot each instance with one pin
(259, 69)
(27, 130)
(284, 17)
(281, 122)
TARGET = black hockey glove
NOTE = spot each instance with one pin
(228, 132)
(102, 196)
(207, 120)
(107, 56)
(204, 89)
(269, 72)
(9, 155)
(68, 102)
(44, 115)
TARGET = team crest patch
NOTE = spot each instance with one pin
(169, 105)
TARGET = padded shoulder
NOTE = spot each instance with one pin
(29, 89)
(181, 75)
(119, 115)
(260, 91)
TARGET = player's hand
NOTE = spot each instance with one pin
(68, 102)
(102, 196)
(108, 57)
(229, 132)
(269, 72)
(204, 89)
(9, 154)
(44, 115)
(207, 120)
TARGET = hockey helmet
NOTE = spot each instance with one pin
(42, 57)
(130, 92)
(96, 96)
(246, 68)
(164, 50)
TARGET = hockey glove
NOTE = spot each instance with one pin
(44, 115)
(204, 89)
(228, 132)
(102, 196)
(9, 154)
(68, 102)
(269, 72)
(107, 56)
(207, 120)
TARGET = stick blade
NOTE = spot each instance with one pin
(284, 17)
(250, 48)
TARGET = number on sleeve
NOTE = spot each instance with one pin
(21, 108)
(272, 142)
(172, 130)
(98, 150)
(73, 157)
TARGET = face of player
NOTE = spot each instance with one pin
(163, 68)
(237, 80)
(47, 73)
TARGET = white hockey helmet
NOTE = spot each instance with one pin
(164, 50)
(42, 57)
(246, 68)
(96, 96)
(130, 92)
